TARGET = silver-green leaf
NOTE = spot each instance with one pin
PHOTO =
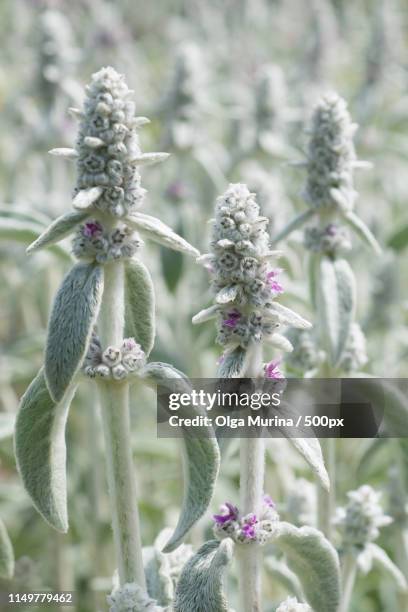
(73, 316)
(232, 363)
(362, 231)
(205, 315)
(293, 225)
(200, 587)
(201, 455)
(40, 450)
(336, 303)
(140, 305)
(86, 198)
(383, 562)
(159, 232)
(290, 317)
(307, 446)
(6, 554)
(314, 561)
(58, 230)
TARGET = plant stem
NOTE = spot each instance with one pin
(327, 499)
(114, 398)
(252, 466)
(349, 577)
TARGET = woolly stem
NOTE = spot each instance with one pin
(348, 579)
(252, 468)
(327, 499)
(114, 398)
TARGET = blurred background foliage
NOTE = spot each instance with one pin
(229, 87)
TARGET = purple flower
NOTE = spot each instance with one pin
(176, 191)
(233, 318)
(272, 370)
(268, 501)
(229, 513)
(92, 229)
(248, 528)
(129, 344)
(220, 359)
(272, 281)
(331, 229)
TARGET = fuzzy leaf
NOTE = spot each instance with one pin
(23, 213)
(26, 232)
(148, 159)
(201, 456)
(336, 302)
(285, 576)
(163, 570)
(200, 585)
(382, 560)
(308, 447)
(18, 229)
(58, 230)
(293, 225)
(85, 198)
(73, 316)
(6, 554)
(280, 342)
(314, 561)
(158, 576)
(232, 363)
(40, 450)
(159, 232)
(290, 317)
(227, 294)
(65, 152)
(140, 304)
(362, 231)
(205, 315)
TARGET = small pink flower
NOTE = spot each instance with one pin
(248, 528)
(229, 513)
(268, 501)
(92, 229)
(129, 344)
(272, 281)
(176, 191)
(272, 370)
(233, 318)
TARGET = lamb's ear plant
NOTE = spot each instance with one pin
(338, 347)
(102, 327)
(359, 523)
(248, 316)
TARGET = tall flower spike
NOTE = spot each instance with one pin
(244, 281)
(108, 156)
(330, 164)
(108, 146)
(181, 105)
(331, 156)
(360, 520)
